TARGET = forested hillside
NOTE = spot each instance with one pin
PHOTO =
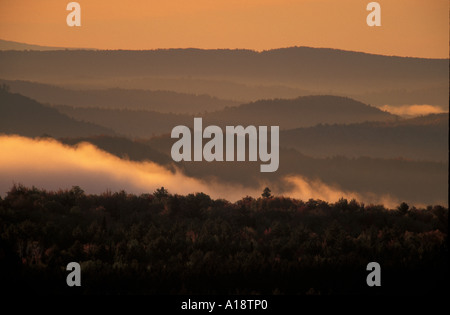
(166, 243)
(24, 116)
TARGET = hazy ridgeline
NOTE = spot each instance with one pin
(352, 148)
(240, 75)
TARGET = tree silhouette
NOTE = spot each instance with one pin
(403, 208)
(161, 193)
(266, 193)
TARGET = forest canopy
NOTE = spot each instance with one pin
(163, 243)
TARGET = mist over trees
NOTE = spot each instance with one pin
(370, 152)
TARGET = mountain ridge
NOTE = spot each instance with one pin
(4, 43)
(27, 117)
(118, 98)
(14, 45)
(297, 65)
(286, 113)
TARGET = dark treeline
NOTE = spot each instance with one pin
(164, 243)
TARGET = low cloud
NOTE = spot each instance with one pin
(413, 110)
(305, 189)
(48, 164)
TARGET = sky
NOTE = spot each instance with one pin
(416, 28)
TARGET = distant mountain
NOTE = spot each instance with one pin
(434, 95)
(441, 120)
(303, 111)
(24, 116)
(288, 114)
(316, 70)
(130, 123)
(115, 98)
(422, 138)
(11, 45)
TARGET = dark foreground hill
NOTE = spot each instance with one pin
(161, 243)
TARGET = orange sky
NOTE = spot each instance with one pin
(409, 27)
